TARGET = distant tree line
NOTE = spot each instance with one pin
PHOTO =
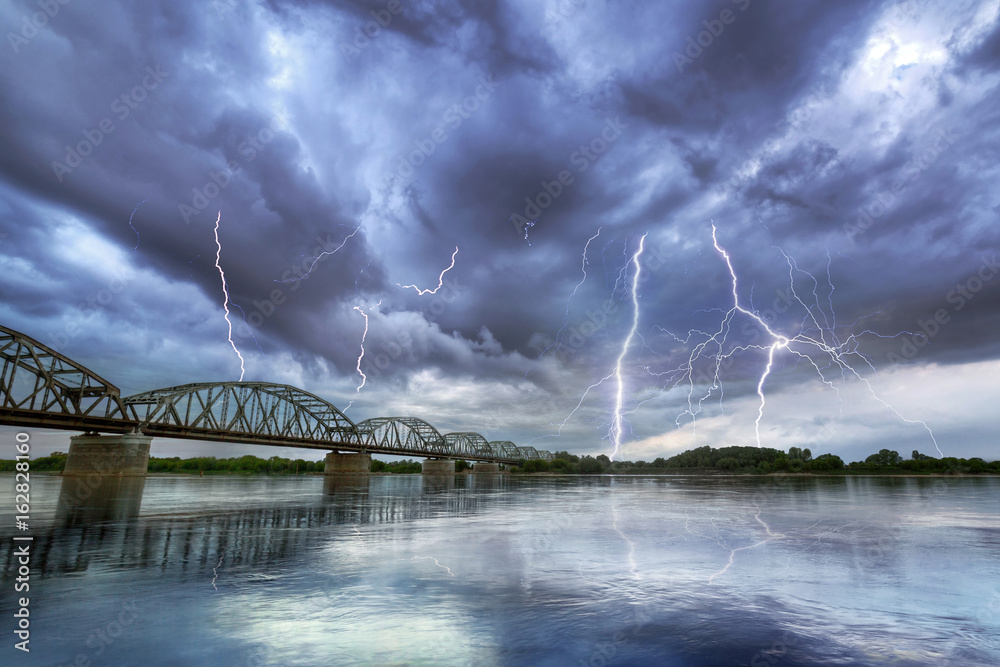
(761, 460)
(747, 460)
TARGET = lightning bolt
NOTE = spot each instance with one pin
(732, 552)
(444, 567)
(583, 270)
(133, 228)
(617, 419)
(440, 278)
(225, 291)
(320, 256)
(817, 337)
(364, 378)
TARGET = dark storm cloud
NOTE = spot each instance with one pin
(426, 126)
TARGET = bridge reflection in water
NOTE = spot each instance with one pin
(98, 523)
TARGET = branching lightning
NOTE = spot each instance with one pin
(440, 278)
(617, 420)
(812, 336)
(225, 291)
(130, 223)
(771, 535)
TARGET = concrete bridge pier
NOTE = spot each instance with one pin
(112, 455)
(347, 464)
(438, 467)
(486, 468)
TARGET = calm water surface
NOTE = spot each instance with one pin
(498, 571)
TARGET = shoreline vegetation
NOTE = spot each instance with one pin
(705, 460)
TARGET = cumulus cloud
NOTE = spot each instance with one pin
(858, 138)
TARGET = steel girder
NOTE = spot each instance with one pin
(40, 386)
(546, 455)
(527, 453)
(406, 434)
(254, 408)
(469, 445)
(504, 449)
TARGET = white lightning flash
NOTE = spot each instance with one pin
(364, 378)
(809, 338)
(617, 419)
(225, 292)
(440, 278)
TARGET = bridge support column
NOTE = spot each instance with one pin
(119, 455)
(438, 467)
(347, 464)
(486, 468)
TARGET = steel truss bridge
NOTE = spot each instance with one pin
(42, 388)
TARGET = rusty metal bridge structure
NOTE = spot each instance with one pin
(42, 388)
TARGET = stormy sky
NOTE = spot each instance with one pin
(847, 154)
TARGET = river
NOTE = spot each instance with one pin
(495, 570)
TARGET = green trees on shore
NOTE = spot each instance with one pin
(746, 460)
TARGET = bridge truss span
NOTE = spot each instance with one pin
(41, 387)
(469, 445)
(264, 412)
(403, 435)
